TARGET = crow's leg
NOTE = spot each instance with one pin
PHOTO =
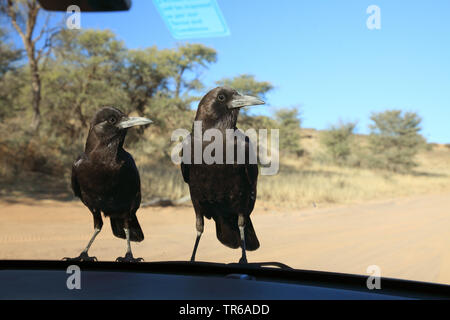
(241, 224)
(98, 224)
(199, 225)
(129, 255)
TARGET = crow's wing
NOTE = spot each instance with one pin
(251, 171)
(131, 181)
(185, 168)
(75, 184)
(185, 171)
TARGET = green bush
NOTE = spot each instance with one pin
(337, 142)
(288, 121)
(395, 140)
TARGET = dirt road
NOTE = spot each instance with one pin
(407, 238)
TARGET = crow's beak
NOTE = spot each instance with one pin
(240, 101)
(133, 121)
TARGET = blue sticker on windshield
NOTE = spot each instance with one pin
(192, 18)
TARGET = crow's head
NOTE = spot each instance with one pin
(109, 124)
(220, 107)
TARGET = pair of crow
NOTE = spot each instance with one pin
(106, 179)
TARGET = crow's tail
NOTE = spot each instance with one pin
(136, 234)
(251, 240)
(227, 232)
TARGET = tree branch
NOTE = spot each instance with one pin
(10, 11)
(43, 30)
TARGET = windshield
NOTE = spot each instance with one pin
(346, 164)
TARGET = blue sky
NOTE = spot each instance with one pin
(321, 56)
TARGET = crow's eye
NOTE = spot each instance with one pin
(112, 120)
(221, 97)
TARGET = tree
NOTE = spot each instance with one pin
(395, 140)
(159, 84)
(8, 54)
(10, 82)
(247, 84)
(190, 58)
(289, 123)
(146, 73)
(337, 141)
(23, 16)
(81, 77)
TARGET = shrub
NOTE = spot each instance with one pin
(337, 141)
(289, 124)
(395, 140)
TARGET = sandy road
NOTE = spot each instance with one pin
(407, 238)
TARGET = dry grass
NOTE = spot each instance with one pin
(301, 182)
(162, 182)
(306, 183)
(160, 179)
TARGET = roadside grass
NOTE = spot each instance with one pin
(308, 182)
(324, 185)
(301, 181)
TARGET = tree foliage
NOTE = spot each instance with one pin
(247, 84)
(288, 120)
(337, 141)
(23, 15)
(10, 82)
(395, 140)
(88, 69)
(81, 77)
(9, 55)
(187, 62)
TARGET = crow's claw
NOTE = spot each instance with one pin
(129, 258)
(243, 260)
(82, 257)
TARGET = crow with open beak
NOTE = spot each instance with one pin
(224, 192)
(106, 179)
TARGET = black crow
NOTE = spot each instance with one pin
(224, 192)
(106, 179)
